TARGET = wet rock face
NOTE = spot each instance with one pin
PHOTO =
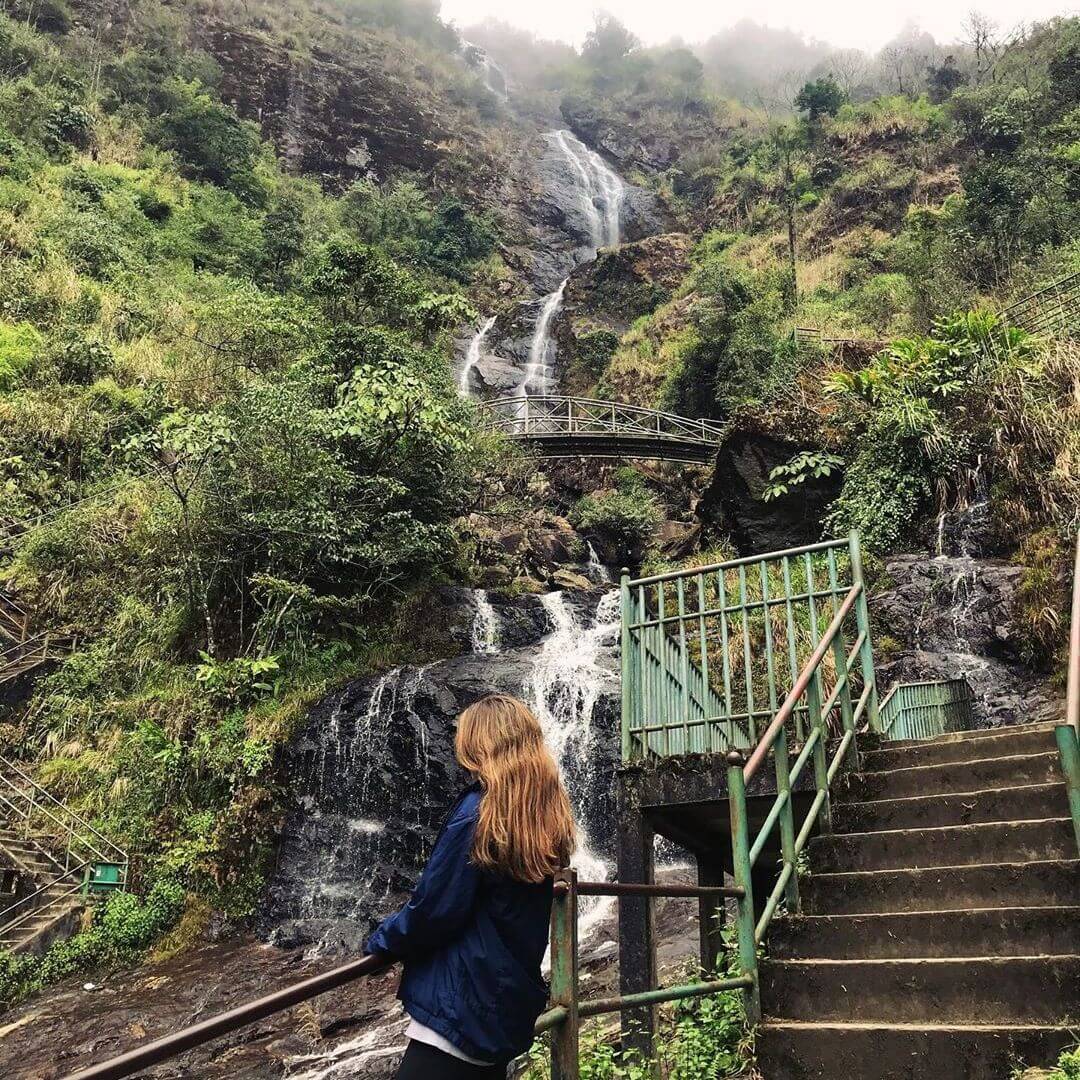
(732, 503)
(316, 113)
(374, 772)
(953, 617)
(627, 282)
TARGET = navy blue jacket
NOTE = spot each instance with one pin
(472, 944)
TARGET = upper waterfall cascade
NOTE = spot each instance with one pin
(599, 194)
(600, 190)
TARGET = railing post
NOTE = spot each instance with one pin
(1069, 748)
(787, 822)
(862, 614)
(740, 852)
(564, 963)
(821, 763)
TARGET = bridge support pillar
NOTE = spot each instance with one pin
(711, 913)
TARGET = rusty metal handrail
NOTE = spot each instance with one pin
(1067, 734)
(783, 714)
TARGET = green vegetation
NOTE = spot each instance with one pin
(1068, 1066)
(701, 1038)
(900, 224)
(123, 928)
(624, 520)
(230, 448)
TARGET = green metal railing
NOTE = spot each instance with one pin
(1068, 734)
(921, 710)
(82, 857)
(768, 636)
(826, 763)
(709, 653)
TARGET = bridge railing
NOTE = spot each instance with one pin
(709, 653)
(562, 1019)
(561, 416)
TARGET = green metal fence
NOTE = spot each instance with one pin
(921, 710)
(709, 653)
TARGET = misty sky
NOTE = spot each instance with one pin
(844, 23)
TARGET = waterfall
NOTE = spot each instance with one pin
(485, 627)
(594, 568)
(600, 190)
(539, 373)
(472, 356)
(339, 854)
(563, 689)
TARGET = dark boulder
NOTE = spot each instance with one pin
(733, 505)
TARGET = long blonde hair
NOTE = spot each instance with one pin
(526, 827)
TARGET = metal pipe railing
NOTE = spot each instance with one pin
(1072, 694)
(561, 1017)
(1068, 733)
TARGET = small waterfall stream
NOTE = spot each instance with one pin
(539, 373)
(472, 357)
(485, 628)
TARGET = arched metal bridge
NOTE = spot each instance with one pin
(563, 426)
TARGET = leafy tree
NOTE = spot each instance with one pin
(209, 138)
(608, 42)
(821, 97)
(944, 79)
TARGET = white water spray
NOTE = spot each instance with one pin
(601, 191)
(540, 371)
(472, 357)
(563, 689)
(594, 568)
(485, 627)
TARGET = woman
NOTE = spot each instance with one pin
(474, 932)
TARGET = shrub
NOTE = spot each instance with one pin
(623, 521)
(209, 138)
(19, 344)
(121, 929)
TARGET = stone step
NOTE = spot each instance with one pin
(1054, 883)
(990, 989)
(999, 772)
(1049, 931)
(973, 735)
(951, 845)
(1031, 740)
(852, 1051)
(1031, 802)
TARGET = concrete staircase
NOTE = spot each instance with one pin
(49, 901)
(51, 862)
(940, 933)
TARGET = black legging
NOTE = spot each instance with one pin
(423, 1062)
